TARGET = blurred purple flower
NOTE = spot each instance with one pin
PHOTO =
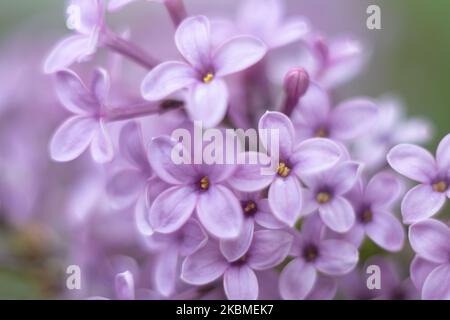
(416, 163)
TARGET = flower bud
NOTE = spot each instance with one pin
(296, 83)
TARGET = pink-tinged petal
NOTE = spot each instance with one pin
(204, 266)
(437, 284)
(238, 54)
(291, 31)
(191, 238)
(344, 176)
(443, 154)
(240, 283)
(141, 215)
(160, 158)
(101, 145)
(114, 5)
(125, 186)
(336, 257)
(325, 288)
(124, 285)
(265, 218)
(192, 39)
(268, 249)
(233, 249)
(277, 121)
(338, 214)
(72, 138)
(220, 212)
(131, 145)
(315, 155)
(420, 203)
(101, 84)
(314, 107)
(383, 189)
(66, 52)
(172, 208)
(73, 94)
(166, 271)
(207, 102)
(250, 177)
(167, 78)
(430, 239)
(386, 231)
(352, 118)
(412, 161)
(285, 199)
(297, 280)
(419, 271)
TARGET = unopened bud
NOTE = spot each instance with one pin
(296, 82)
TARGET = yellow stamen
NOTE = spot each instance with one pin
(283, 170)
(322, 133)
(249, 207)
(367, 216)
(323, 197)
(204, 183)
(209, 76)
(440, 186)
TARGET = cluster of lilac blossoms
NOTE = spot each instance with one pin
(214, 231)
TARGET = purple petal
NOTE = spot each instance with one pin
(191, 238)
(265, 218)
(344, 176)
(101, 145)
(336, 257)
(192, 39)
(382, 189)
(313, 229)
(338, 214)
(172, 208)
(233, 249)
(315, 155)
(72, 138)
(132, 146)
(413, 162)
(67, 52)
(291, 31)
(204, 266)
(443, 154)
(240, 283)
(220, 212)
(101, 84)
(114, 5)
(277, 121)
(125, 186)
(386, 231)
(420, 203)
(314, 106)
(431, 240)
(437, 284)
(167, 78)
(141, 215)
(324, 289)
(207, 102)
(238, 54)
(297, 280)
(160, 158)
(124, 285)
(166, 271)
(419, 271)
(268, 249)
(352, 118)
(285, 199)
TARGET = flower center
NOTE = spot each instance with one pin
(283, 170)
(366, 216)
(323, 197)
(208, 77)
(204, 183)
(440, 186)
(322, 133)
(310, 253)
(249, 207)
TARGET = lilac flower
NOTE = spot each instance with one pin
(203, 70)
(374, 214)
(87, 126)
(325, 194)
(88, 21)
(426, 199)
(430, 270)
(314, 254)
(194, 187)
(268, 249)
(255, 210)
(314, 116)
(295, 160)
